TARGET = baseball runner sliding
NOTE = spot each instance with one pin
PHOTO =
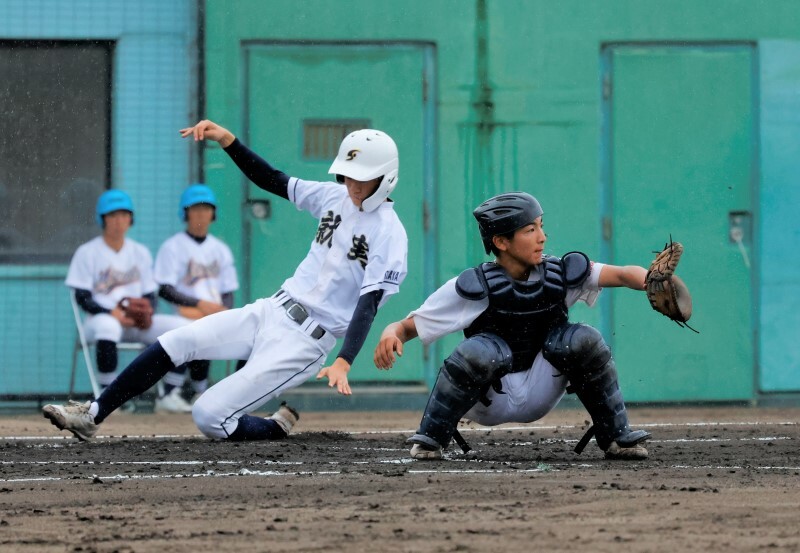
(356, 261)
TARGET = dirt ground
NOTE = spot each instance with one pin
(718, 479)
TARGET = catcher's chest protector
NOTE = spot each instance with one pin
(521, 313)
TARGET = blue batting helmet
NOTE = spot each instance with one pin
(112, 200)
(196, 194)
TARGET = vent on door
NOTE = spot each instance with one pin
(321, 137)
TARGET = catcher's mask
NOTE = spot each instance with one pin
(365, 155)
(112, 200)
(504, 214)
(194, 195)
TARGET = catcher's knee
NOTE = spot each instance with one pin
(576, 346)
(482, 358)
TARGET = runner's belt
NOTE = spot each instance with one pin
(296, 312)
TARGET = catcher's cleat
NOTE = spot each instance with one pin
(74, 416)
(286, 417)
(636, 452)
(426, 452)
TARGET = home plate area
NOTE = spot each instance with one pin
(722, 478)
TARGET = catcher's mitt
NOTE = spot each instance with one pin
(666, 291)
(139, 310)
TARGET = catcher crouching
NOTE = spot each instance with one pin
(520, 352)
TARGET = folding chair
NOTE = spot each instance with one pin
(82, 344)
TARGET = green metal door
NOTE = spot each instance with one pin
(300, 102)
(681, 160)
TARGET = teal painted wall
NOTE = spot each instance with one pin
(154, 94)
(525, 114)
(520, 107)
(779, 300)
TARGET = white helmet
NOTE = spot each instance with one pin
(365, 155)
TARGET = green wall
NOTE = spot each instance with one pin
(520, 106)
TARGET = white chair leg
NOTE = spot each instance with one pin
(84, 346)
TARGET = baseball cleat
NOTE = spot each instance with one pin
(426, 452)
(172, 403)
(286, 417)
(635, 452)
(74, 416)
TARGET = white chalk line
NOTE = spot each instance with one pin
(401, 461)
(528, 427)
(208, 474)
(156, 463)
(456, 458)
(272, 473)
(652, 441)
(70, 438)
(546, 441)
(463, 429)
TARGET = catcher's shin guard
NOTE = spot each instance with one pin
(581, 354)
(474, 364)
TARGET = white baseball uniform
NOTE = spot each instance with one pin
(112, 275)
(528, 395)
(201, 270)
(353, 253)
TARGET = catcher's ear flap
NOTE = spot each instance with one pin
(683, 298)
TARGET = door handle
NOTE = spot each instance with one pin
(739, 230)
(260, 209)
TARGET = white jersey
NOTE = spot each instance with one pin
(112, 275)
(354, 252)
(445, 312)
(201, 270)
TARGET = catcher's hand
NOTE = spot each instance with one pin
(666, 291)
(190, 312)
(138, 310)
(202, 309)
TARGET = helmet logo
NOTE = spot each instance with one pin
(351, 155)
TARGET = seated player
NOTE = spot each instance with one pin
(105, 271)
(196, 273)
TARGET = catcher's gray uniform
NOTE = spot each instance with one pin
(527, 395)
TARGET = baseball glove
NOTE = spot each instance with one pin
(666, 291)
(139, 310)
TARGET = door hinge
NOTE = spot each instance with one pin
(607, 228)
(607, 89)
